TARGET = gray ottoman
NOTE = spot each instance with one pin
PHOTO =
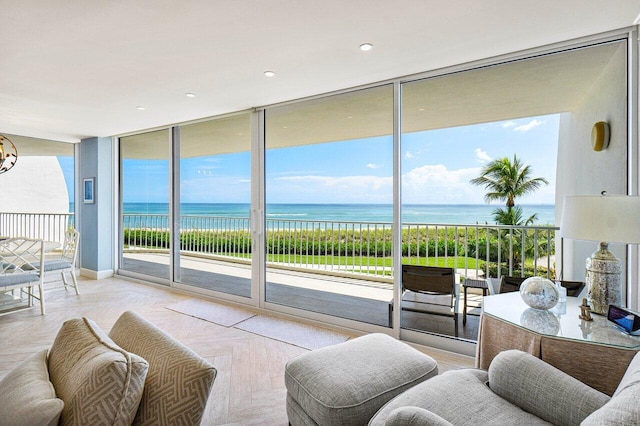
(346, 384)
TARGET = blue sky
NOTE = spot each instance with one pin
(436, 167)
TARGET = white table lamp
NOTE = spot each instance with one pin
(605, 219)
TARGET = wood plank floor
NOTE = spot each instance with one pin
(249, 388)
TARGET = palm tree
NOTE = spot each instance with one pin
(506, 180)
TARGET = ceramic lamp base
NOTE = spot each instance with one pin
(603, 280)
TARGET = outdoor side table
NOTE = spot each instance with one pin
(471, 283)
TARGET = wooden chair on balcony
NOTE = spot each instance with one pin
(21, 263)
(431, 290)
(56, 268)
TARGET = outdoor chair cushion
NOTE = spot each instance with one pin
(27, 397)
(99, 382)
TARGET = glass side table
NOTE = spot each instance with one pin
(595, 352)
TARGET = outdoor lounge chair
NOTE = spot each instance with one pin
(430, 290)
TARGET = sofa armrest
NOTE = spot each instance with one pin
(414, 416)
(541, 389)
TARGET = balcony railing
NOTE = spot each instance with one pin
(356, 248)
(46, 226)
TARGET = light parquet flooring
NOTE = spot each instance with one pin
(249, 388)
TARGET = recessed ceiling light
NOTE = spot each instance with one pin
(141, 108)
(366, 47)
(269, 73)
(190, 95)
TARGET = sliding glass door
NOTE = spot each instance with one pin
(329, 198)
(145, 194)
(214, 204)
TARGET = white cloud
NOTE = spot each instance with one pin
(373, 166)
(408, 155)
(482, 156)
(352, 184)
(530, 125)
(435, 184)
(508, 124)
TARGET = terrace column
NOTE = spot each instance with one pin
(95, 220)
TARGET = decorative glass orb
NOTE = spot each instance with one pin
(539, 293)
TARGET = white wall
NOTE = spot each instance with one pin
(34, 185)
(582, 171)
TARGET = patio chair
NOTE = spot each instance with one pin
(434, 291)
(21, 263)
(66, 263)
(509, 284)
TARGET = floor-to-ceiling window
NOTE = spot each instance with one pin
(329, 197)
(145, 192)
(534, 115)
(328, 186)
(214, 205)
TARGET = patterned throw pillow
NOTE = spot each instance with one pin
(99, 382)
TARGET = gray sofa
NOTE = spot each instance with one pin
(137, 374)
(518, 389)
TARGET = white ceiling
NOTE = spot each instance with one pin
(71, 69)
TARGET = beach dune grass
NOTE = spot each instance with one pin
(363, 249)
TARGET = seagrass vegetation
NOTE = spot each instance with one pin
(481, 247)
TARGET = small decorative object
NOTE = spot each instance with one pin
(539, 293)
(8, 154)
(585, 310)
(600, 136)
(540, 321)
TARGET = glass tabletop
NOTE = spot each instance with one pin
(561, 321)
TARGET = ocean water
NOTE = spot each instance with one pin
(458, 214)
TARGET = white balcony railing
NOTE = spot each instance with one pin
(46, 226)
(356, 248)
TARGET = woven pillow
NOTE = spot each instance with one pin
(27, 397)
(99, 382)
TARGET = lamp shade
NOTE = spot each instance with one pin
(614, 218)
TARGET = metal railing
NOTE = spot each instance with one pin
(356, 248)
(46, 226)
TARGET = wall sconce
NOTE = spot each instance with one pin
(600, 136)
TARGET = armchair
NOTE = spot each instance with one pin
(518, 388)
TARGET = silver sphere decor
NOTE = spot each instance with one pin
(539, 293)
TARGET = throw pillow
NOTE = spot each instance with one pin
(99, 382)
